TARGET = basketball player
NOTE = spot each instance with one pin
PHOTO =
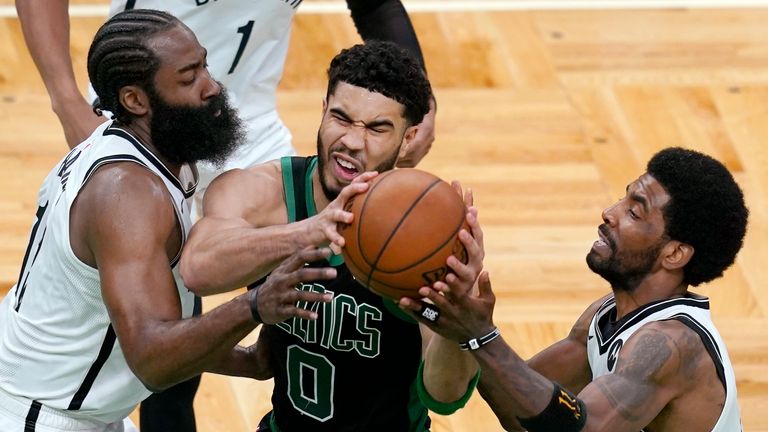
(647, 356)
(358, 366)
(247, 43)
(100, 316)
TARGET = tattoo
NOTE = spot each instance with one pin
(512, 390)
(633, 381)
(689, 348)
(650, 353)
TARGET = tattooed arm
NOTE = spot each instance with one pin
(564, 362)
(656, 365)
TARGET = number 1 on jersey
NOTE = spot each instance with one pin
(246, 32)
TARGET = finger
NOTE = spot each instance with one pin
(312, 254)
(351, 190)
(365, 177)
(336, 248)
(474, 226)
(484, 283)
(333, 235)
(342, 216)
(298, 259)
(442, 287)
(312, 297)
(468, 271)
(435, 297)
(456, 185)
(475, 252)
(460, 272)
(469, 198)
(307, 274)
(409, 304)
(299, 312)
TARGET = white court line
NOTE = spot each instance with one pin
(338, 6)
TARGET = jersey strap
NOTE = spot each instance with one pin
(299, 193)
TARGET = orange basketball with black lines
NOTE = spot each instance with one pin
(405, 226)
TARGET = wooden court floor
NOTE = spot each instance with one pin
(547, 115)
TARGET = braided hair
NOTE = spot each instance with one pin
(119, 56)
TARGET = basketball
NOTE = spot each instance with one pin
(405, 226)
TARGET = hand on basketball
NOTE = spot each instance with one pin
(422, 142)
(457, 290)
(464, 317)
(323, 228)
(277, 297)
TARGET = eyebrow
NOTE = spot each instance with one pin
(641, 199)
(194, 65)
(372, 124)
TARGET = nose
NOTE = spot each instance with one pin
(212, 88)
(608, 214)
(355, 136)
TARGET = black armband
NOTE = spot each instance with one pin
(565, 413)
(254, 294)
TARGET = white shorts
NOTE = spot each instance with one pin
(22, 415)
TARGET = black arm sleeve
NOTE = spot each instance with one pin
(385, 20)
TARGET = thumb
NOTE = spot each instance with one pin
(484, 283)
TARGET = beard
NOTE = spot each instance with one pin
(624, 270)
(186, 134)
(331, 194)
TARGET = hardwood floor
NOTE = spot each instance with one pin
(547, 115)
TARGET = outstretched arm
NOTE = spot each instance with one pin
(244, 232)
(388, 20)
(649, 374)
(124, 225)
(46, 30)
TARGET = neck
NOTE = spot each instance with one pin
(652, 288)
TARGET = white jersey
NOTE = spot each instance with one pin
(607, 336)
(247, 43)
(57, 344)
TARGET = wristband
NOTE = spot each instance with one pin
(254, 293)
(565, 413)
(476, 343)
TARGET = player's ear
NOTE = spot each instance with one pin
(410, 134)
(676, 254)
(134, 99)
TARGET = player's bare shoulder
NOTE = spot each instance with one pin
(254, 194)
(672, 357)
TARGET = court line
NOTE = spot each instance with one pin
(334, 7)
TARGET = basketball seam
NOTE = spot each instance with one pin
(397, 227)
(428, 256)
(359, 225)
